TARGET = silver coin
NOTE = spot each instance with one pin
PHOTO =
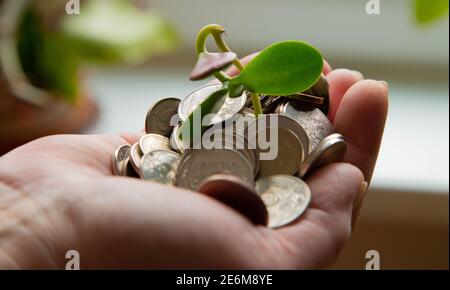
(322, 89)
(332, 149)
(248, 114)
(160, 166)
(231, 106)
(159, 116)
(286, 198)
(130, 171)
(251, 154)
(289, 157)
(152, 142)
(269, 106)
(281, 109)
(197, 165)
(268, 103)
(240, 121)
(120, 159)
(315, 123)
(293, 126)
(136, 156)
(292, 147)
(249, 103)
(235, 140)
(229, 138)
(175, 142)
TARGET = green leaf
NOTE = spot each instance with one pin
(211, 105)
(115, 31)
(236, 91)
(59, 64)
(285, 68)
(430, 10)
(47, 58)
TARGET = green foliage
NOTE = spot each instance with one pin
(115, 31)
(60, 62)
(105, 32)
(47, 58)
(284, 68)
(236, 91)
(427, 11)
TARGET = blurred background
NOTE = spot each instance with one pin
(100, 70)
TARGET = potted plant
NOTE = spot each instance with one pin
(43, 51)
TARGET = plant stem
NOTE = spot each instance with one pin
(216, 31)
(212, 29)
(221, 76)
(224, 47)
(256, 104)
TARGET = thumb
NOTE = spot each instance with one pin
(325, 228)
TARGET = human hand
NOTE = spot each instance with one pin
(58, 193)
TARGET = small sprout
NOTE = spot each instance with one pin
(283, 69)
(210, 63)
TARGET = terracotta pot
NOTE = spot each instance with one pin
(28, 112)
(27, 122)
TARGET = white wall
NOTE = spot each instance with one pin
(340, 28)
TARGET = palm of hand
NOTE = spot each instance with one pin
(59, 194)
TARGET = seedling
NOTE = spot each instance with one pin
(283, 69)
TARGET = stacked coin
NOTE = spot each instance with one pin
(151, 159)
(231, 167)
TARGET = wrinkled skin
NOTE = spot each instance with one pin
(58, 193)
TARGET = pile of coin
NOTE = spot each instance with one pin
(268, 191)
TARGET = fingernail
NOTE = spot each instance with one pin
(357, 206)
(361, 193)
(385, 84)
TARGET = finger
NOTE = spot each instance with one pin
(340, 81)
(326, 67)
(361, 118)
(326, 226)
(132, 138)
